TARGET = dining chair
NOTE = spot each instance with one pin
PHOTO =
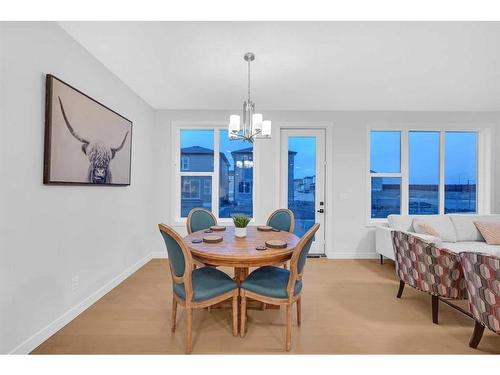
(430, 269)
(195, 289)
(199, 219)
(278, 286)
(282, 219)
(482, 280)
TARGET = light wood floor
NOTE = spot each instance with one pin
(349, 306)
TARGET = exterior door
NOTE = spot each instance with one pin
(302, 183)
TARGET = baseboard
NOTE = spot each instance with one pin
(354, 255)
(159, 255)
(31, 343)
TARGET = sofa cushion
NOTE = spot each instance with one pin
(465, 228)
(490, 232)
(475, 247)
(439, 223)
(400, 222)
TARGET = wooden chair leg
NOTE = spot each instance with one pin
(288, 327)
(243, 315)
(435, 309)
(477, 335)
(235, 313)
(299, 311)
(174, 313)
(189, 330)
(401, 288)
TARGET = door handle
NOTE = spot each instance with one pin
(321, 211)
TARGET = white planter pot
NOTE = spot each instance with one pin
(240, 232)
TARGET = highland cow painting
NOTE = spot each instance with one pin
(86, 143)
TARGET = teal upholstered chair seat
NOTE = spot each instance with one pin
(282, 219)
(207, 283)
(271, 282)
(199, 219)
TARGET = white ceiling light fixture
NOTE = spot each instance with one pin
(253, 125)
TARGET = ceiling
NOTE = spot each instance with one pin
(303, 65)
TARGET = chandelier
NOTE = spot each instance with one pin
(253, 127)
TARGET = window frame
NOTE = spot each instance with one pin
(402, 150)
(177, 172)
(483, 168)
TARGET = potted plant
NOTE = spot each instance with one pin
(240, 223)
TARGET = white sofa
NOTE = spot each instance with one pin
(457, 232)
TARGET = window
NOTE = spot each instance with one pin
(460, 172)
(196, 169)
(425, 184)
(184, 163)
(385, 171)
(197, 150)
(200, 151)
(207, 187)
(423, 148)
(245, 187)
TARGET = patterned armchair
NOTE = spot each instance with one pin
(482, 279)
(428, 268)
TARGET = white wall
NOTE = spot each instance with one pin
(51, 233)
(348, 235)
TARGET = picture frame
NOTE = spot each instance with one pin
(86, 142)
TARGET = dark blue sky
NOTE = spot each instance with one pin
(305, 159)
(460, 156)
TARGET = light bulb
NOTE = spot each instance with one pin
(266, 128)
(256, 123)
(234, 124)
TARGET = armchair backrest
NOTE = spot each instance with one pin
(426, 267)
(198, 219)
(179, 259)
(299, 257)
(282, 219)
(482, 280)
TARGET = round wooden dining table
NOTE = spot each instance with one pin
(241, 253)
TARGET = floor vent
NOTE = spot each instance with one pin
(316, 256)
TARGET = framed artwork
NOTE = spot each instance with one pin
(86, 143)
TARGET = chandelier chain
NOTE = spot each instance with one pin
(249, 80)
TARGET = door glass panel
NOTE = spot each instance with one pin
(424, 173)
(302, 181)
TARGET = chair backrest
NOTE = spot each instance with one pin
(299, 256)
(282, 219)
(179, 258)
(482, 280)
(198, 219)
(426, 267)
